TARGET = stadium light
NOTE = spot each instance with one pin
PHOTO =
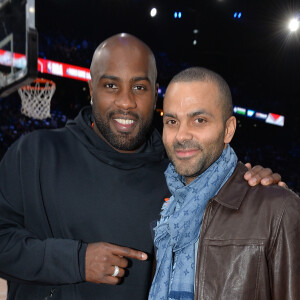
(177, 15)
(153, 12)
(237, 15)
(294, 24)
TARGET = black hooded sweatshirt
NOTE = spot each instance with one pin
(61, 189)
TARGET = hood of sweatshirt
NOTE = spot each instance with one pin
(152, 151)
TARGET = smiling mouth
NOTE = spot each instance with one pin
(186, 153)
(124, 121)
(124, 125)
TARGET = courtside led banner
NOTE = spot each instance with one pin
(275, 119)
(63, 70)
(270, 118)
(45, 66)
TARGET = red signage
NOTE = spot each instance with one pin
(46, 66)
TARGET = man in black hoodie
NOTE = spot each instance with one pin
(76, 203)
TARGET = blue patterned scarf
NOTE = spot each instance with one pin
(179, 227)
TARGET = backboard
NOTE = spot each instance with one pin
(18, 45)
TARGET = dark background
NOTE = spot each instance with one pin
(257, 55)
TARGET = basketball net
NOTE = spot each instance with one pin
(36, 98)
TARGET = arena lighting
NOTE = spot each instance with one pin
(237, 15)
(160, 111)
(177, 15)
(195, 32)
(153, 12)
(294, 24)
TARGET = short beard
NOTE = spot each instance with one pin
(123, 141)
(183, 146)
(202, 164)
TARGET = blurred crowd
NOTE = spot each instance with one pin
(72, 51)
(13, 124)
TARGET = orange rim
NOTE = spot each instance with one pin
(42, 81)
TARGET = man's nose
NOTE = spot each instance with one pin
(125, 100)
(183, 133)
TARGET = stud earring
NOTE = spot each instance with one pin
(91, 101)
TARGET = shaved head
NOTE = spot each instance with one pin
(122, 42)
(195, 74)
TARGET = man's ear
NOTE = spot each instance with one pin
(156, 95)
(230, 127)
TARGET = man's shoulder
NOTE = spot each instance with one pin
(38, 140)
(274, 195)
(237, 192)
(44, 135)
(273, 199)
(255, 210)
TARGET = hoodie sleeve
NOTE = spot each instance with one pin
(24, 256)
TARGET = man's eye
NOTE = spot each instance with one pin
(200, 120)
(139, 88)
(110, 86)
(170, 122)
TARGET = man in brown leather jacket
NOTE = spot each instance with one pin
(219, 238)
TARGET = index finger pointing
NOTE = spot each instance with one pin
(129, 252)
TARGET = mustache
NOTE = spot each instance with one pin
(187, 145)
(123, 113)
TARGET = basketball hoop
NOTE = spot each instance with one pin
(36, 98)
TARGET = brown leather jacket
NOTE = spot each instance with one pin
(249, 246)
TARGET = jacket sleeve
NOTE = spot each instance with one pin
(285, 254)
(24, 256)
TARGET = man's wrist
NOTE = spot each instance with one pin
(81, 259)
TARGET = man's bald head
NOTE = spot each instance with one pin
(122, 42)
